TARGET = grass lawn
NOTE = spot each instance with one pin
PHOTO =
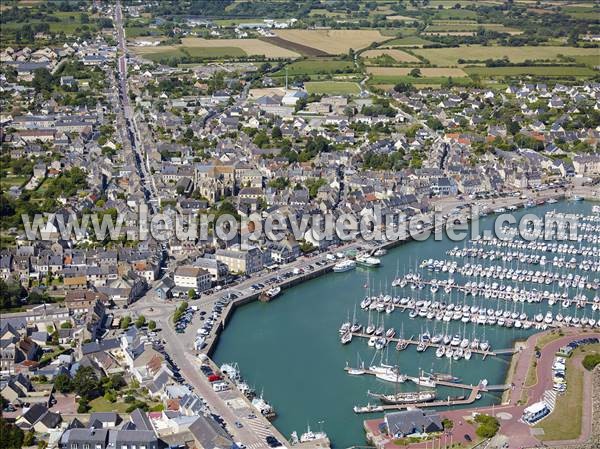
(317, 66)
(11, 180)
(102, 405)
(332, 87)
(565, 421)
(549, 71)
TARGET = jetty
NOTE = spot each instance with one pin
(475, 391)
(428, 345)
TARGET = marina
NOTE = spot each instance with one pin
(419, 329)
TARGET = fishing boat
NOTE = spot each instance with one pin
(367, 408)
(366, 261)
(268, 295)
(345, 265)
(413, 397)
(309, 435)
(263, 407)
(380, 252)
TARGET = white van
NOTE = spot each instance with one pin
(220, 386)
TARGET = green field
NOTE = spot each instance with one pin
(332, 87)
(11, 180)
(199, 52)
(550, 71)
(444, 57)
(564, 423)
(590, 61)
(432, 80)
(317, 66)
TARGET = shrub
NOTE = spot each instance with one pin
(590, 361)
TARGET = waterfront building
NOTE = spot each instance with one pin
(241, 260)
(409, 422)
(191, 278)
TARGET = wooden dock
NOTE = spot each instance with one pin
(436, 345)
(446, 403)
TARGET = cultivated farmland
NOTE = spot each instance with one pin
(398, 55)
(450, 56)
(250, 46)
(216, 48)
(332, 41)
(547, 71)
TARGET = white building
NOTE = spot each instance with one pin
(188, 278)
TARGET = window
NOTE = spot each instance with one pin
(86, 446)
(98, 446)
(124, 446)
(73, 445)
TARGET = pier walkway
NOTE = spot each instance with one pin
(445, 403)
(436, 345)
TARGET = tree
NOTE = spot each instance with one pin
(83, 406)
(488, 426)
(152, 325)
(415, 73)
(29, 438)
(85, 383)
(140, 322)
(276, 132)
(125, 322)
(191, 293)
(590, 361)
(62, 383)
(42, 80)
(12, 436)
(403, 87)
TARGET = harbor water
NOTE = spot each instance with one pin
(289, 349)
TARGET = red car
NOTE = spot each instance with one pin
(214, 378)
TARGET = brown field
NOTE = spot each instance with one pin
(332, 41)
(257, 93)
(294, 46)
(426, 72)
(449, 33)
(402, 18)
(250, 46)
(398, 55)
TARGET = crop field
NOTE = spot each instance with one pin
(332, 41)
(402, 18)
(398, 55)
(549, 71)
(450, 56)
(250, 46)
(426, 72)
(216, 48)
(332, 87)
(296, 47)
(317, 66)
